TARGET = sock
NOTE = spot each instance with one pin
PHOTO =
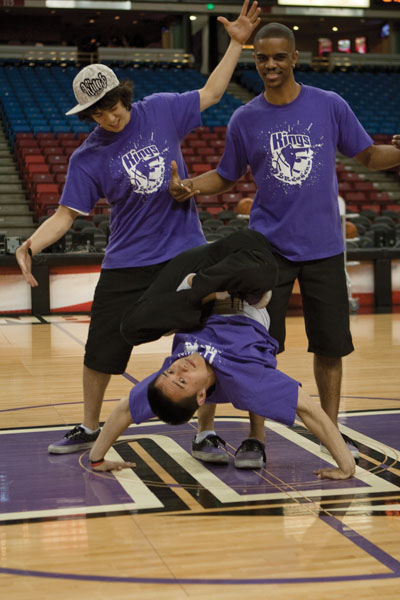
(201, 436)
(184, 284)
(88, 430)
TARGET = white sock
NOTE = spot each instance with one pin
(88, 430)
(201, 436)
(184, 285)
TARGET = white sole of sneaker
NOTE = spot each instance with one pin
(69, 449)
(222, 459)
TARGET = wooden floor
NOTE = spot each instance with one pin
(174, 529)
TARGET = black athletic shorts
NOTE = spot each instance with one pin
(106, 350)
(325, 302)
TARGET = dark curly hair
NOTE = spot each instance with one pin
(123, 92)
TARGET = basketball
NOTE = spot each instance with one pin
(244, 205)
(351, 230)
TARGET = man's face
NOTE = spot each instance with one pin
(185, 377)
(275, 59)
(113, 119)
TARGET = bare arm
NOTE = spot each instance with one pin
(208, 183)
(116, 424)
(318, 422)
(239, 32)
(49, 232)
(381, 157)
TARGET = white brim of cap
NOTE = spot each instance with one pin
(81, 107)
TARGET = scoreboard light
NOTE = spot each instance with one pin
(327, 3)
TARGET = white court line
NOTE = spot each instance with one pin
(143, 498)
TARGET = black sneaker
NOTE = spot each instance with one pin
(250, 455)
(210, 450)
(75, 440)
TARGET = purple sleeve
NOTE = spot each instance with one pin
(352, 136)
(138, 402)
(185, 111)
(80, 191)
(233, 163)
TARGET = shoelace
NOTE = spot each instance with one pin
(215, 440)
(251, 446)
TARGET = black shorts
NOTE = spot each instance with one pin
(106, 350)
(325, 301)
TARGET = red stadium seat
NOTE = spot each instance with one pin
(364, 186)
(213, 159)
(345, 186)
(218, 145)
(45, 136)
(32, 169)
(46, 203)
(393, 207)
(69, 150)
(203, 151)
(37, 178)
(24, 135)
(49, 150)
(206, 202)
(381, 197)
(48, 142)
(209, 136)
(356, 197)
(56, 159)
(68, 143)
(46, 188)
(102, 207)
(198, 168)
(59, 168)
(26, 143)
(231, 199)
(65, 135)
(196, 143)
(246, 187)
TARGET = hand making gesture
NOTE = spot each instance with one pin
(241, 29)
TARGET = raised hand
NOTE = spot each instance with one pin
(241, 29)
(180, 190)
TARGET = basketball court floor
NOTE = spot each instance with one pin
(175, 528)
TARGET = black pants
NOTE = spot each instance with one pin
(241, 263)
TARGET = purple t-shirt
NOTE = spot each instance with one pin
(242, 355)
(132, 169)
(291, 150)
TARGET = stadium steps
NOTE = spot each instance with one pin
(240, 92)
(16, 219)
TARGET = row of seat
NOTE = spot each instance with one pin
(35, 98)
(373, 231)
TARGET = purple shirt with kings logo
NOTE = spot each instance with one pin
(291, 150)
(132, 169)
(242, 355)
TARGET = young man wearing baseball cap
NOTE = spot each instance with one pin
(126, 159)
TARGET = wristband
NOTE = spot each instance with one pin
(96, 463)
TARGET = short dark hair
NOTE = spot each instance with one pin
(173, 413)
(275, 30)
(123, 92)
